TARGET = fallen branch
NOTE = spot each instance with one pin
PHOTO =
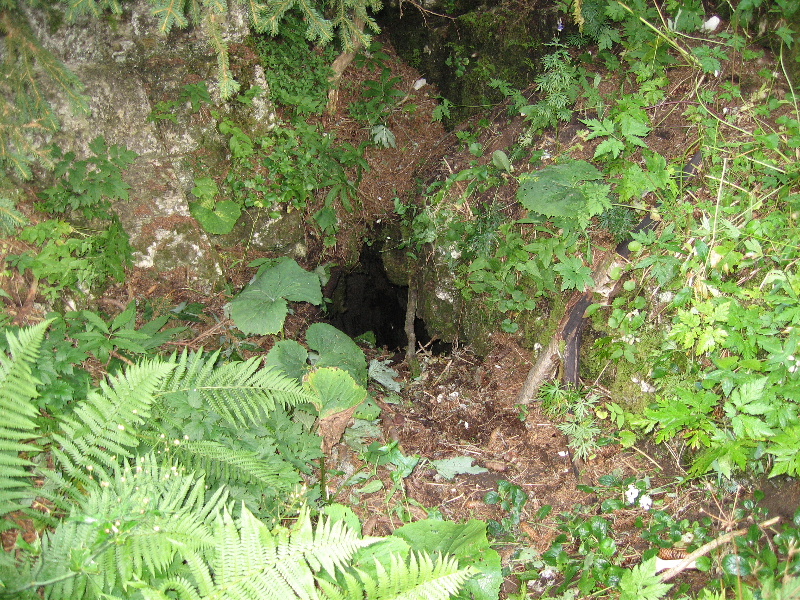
(706, 548)
(564, 347)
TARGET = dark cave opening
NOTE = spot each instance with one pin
(363, 298)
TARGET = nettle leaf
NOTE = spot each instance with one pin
(555, 190)
(218, 220)
(262, 307)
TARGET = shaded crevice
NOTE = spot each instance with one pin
(363, 299)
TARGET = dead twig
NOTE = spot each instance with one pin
(706, 548)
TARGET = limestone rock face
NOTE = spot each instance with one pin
(127, 68)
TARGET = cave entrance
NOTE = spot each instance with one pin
(364, 299)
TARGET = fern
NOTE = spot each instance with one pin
(265, 473)
(418, 578)
(131, 528)
(238, 391)
(17, 391)
(105, 427)
(145, 525)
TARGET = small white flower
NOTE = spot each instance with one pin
(548, 572)
(712, 24)
(645, 502)
(631, 494)
(121, 427)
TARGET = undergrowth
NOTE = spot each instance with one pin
(196, 475)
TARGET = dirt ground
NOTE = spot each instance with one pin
(461, 404)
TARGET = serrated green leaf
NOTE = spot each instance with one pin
(336, 389)
(610, 146)
(289, 357)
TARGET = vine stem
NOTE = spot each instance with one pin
(706, 548)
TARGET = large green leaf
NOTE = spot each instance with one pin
(262, 307)
(290, 357)
(336, 389)
(337, 349)
(338, 396)
(555, 190)
(467, 542)
(218, 221)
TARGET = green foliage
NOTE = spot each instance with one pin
(565, 190)
(287, 168)
(467, 543)
(78, 337)
(195, 94)
(133, 516)
(511, 499)
(17, 391)
(215, 217)
(261, 307)
(66, 256)
(331, 348)
(297, 73)
(577, 411)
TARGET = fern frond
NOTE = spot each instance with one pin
(236, 466)
(105, 427)
(17, 391)
(132, 528)
(240, 392)
(420, 577)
